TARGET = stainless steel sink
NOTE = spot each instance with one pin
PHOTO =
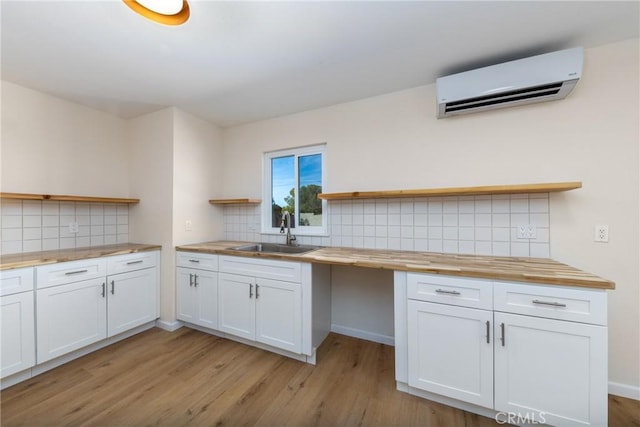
(275, 248)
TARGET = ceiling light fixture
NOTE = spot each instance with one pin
(168, 12)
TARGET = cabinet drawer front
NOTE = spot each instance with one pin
(69, 272)
(131, 262)
(16, 281)
(197, 260)
(462, 291)
(269, 269)
(557, 302)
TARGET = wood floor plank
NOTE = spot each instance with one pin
(189, 378)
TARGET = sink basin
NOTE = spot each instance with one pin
(275, 248)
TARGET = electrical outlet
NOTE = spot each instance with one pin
(526, 231)
(601, 233)
(73, 227)
(187, 225)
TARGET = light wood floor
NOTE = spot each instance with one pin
(191, 378)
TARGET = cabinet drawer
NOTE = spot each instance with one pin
(197, 260)
(16, 281)
(462, 291)
(553, 302)
(131, 262)
(269, 269)
(69, 272)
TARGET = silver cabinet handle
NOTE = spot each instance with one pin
(257, 294)
(195, 280)
(113, 287)
(488, 332)
(502, 338)
(250, 290)
(134, 262)
(190, 279)
(69, 273)
(443, 291)
(194, 260)
(553, 304)
(104, 285)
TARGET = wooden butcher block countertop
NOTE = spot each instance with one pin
(32, 259)
(535, 270)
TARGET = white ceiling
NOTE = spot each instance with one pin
(235, 62)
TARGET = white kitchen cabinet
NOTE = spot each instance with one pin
(553, 370)
(197, 289)
(17, 321)
(279, 314)
(540, 354)
(197, 297)
(131, 300)
(451, 351)
(237, 309)
(82, 302)
(263, 310)
(70, 316)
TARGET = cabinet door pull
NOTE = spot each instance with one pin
(194, 260)
(113, 287)
(488, 332)
(553, 304)
(134, 262)
(104, 291)
(443, 291)
(250, 290)
(190, 279)
(195, 280)
(69, 273)
(257, 294)
(502, 338)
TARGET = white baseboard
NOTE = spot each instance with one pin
(169, 326)
(365, 335)
(624, 390)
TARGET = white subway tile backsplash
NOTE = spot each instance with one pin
(44, 225)
(32, 207)
(11, 221)
(467, 224)
(539, 250)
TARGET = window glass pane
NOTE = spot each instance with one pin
(282, 189)
(310, 182)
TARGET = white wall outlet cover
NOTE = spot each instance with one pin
(526, 231)
(601, 233)
(73, 227)
(187, 225)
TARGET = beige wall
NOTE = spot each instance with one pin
(591, 136)
(151, 164)
(197, 166)
(57, 147)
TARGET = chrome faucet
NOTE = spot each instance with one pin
(286, 217)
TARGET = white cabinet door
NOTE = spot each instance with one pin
(206, 286)
(70, 317)
(18, 333)
(279, 314)
(450, 352)
(237, 315)
(187, 296)
(131, 300)
(555, 371)
(197, 299)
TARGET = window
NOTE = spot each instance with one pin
(293, 179)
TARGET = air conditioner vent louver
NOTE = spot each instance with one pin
(540, 78)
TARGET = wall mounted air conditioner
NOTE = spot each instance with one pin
(536, 79)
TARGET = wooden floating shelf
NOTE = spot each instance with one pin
(235, 201)
(456, 191)
(63, 198)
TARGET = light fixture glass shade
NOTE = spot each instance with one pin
(165, 7)
(168, 12)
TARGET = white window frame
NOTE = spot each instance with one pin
(299, 230)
